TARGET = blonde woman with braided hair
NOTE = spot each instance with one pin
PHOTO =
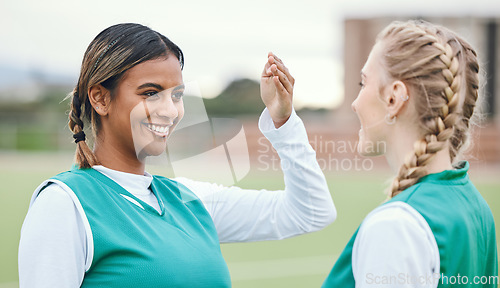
(108, 223)
(419, 89)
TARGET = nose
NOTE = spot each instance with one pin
(166, 108)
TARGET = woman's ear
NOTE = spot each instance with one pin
(99, 98)
(396, 97)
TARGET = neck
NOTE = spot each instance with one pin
(400, 145)
(111, 157)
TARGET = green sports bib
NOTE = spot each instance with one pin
(139, 247)
(462, 224)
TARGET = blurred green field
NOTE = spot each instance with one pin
(302, 261)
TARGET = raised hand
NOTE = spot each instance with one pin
(276, 90)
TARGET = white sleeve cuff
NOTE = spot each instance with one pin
(266, 125)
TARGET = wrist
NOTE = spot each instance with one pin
(280, 122)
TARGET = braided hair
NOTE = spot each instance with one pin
(440, 70)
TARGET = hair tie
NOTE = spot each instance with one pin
(80, 136)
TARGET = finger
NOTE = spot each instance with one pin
(270, 54)
(285, 82)
(267, 70)
(279, 87)
(276, 57)
(273, 59)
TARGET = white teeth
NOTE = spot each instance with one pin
(157, 128)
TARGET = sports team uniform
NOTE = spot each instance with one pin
(439, 227)
(104, 228)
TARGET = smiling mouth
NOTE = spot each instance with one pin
(158, 129)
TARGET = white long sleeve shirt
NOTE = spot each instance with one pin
(56, 245)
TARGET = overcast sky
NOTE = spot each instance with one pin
(222, 39)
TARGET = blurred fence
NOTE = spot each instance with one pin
(333, 138)
(41, 131)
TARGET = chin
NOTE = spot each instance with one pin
(155, 149)
(148, 143)
(365, 153)
(369, 148)
(151, 149)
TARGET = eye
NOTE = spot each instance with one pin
(177, 96)
(151, 95)
(361, 84)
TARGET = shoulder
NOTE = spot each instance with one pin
(396, 229)
(56, 194)
(421, 199)
(56, 210)
(397, 214)
(53, 203)
(392, 222)
(53, 194)
(69, 181)
(71, 175)
(54, 189)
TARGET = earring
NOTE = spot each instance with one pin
(390, 120)
(97, 107)
(405, 97)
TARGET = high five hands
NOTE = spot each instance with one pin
(276, 89)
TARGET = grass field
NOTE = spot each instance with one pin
(302, 261)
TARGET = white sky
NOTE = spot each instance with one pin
(222, 39)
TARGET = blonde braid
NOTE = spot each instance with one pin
(460, 139)
(434, 69)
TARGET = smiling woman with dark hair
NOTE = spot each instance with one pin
(108, 223)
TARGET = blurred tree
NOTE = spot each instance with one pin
(242, 96)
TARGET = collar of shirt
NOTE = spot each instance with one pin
(136, 184)
(458, 175)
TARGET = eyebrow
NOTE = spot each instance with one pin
(158, 86)
(180, 87)
(363, 74)
(150, 85)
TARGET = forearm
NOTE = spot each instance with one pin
(305, 205)
(307, 196)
